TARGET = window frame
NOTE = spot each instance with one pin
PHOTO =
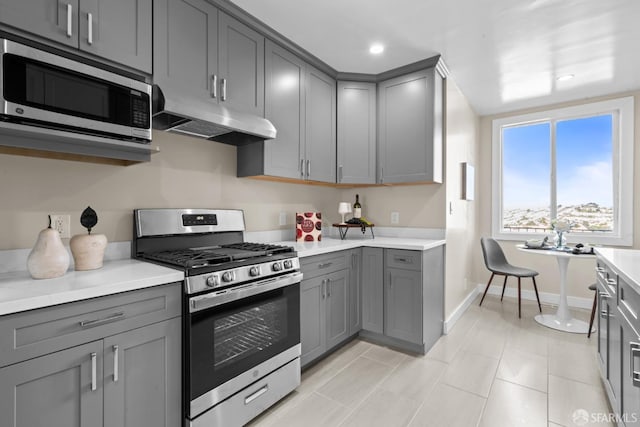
(622, 163)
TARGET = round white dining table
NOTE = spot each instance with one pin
(562, 320)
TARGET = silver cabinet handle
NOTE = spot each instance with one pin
(115, 363)
(381, 175)
(214, 86)
(612, 282)
(94, 357)
(329, 287)
(69, 20)
(599, 270)
(97, 322)
(399, 259)
(302, 168)
(340, 173)
(308, 168)
(224, 89)
(324, 289)
(324, 264)
(90, 28)
(634, 348)
(257, 394)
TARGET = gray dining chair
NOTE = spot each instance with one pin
(497, 264)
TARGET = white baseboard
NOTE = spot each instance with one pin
(459, 311)
(545, 297)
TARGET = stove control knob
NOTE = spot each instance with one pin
(227, 276)
(276, 266)
(211, 281)
(288, 264)
(254, 271)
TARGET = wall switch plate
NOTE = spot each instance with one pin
(283, 218)
(62, 224)
(395, 217)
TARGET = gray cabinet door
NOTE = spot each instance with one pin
(45, 18)
(320, 140)
(312, 319)
(356, 141)
(403, 305)
(372, 289)
(54, 390)
(615, 344)
(185, 46)
(240, 66)
(408, 111)
(337, 306)
(119, 30)
(142, 376)
(355, 292)
(629, 406)
(285, 108)
(432, 295)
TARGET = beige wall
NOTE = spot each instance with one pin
(581, 272)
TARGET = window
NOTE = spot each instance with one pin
(573, 164)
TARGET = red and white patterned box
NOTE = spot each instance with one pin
(308, 226)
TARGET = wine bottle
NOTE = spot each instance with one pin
(357, 208)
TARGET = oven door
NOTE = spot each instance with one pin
(248, 330)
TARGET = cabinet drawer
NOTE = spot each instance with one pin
(407, 260)
(323, 264)
(607, 277)
(37, 332)
(629, 303)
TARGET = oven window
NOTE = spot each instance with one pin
(250, 331)
(227, 340)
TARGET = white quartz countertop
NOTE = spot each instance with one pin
(19, 292)
(625, 261)
(324, 246)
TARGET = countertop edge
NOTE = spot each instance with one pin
(334, 245)
(625, 262)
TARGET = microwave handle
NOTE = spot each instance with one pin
(69, 20)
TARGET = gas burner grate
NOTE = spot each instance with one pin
(188, 257)
(269, 249)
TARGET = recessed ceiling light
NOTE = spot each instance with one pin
(565, 78)
(376, 49)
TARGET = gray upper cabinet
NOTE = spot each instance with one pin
(410, 128)
(241, 66)
(117, 30)
(54, 390)
(320, 124)
(356, 144)
(201, 51)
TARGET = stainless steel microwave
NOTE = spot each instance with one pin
(43, 89)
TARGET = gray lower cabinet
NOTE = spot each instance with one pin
(373, 290)
(109, 361)
(355, 292)
(356, 128)
(403, 297)
(120, 31)
(202, 52)
(53, 390)
(629, 398)
(410, 128)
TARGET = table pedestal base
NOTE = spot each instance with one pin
(570, 325)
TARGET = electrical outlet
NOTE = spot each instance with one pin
(283, 218)
(395, 217)
(62, 224)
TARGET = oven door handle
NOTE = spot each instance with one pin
(214, 299)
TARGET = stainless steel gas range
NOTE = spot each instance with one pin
(241, 340)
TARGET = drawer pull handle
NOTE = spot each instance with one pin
(256, 395)
(115, 363)
(94, 357)
(399, 259)
(635, 352)
(325, 265)
(600, 269)
(97, 322)
(612, 282)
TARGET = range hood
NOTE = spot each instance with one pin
(174, 111)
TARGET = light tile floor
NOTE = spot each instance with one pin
(492, 370)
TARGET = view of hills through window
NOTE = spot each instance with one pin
(578, 179)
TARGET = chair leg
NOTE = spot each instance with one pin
(487, 288)
(593, 312)
(504, 285)
(519, 316)
(535, 288)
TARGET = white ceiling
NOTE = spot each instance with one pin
(503, 54)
